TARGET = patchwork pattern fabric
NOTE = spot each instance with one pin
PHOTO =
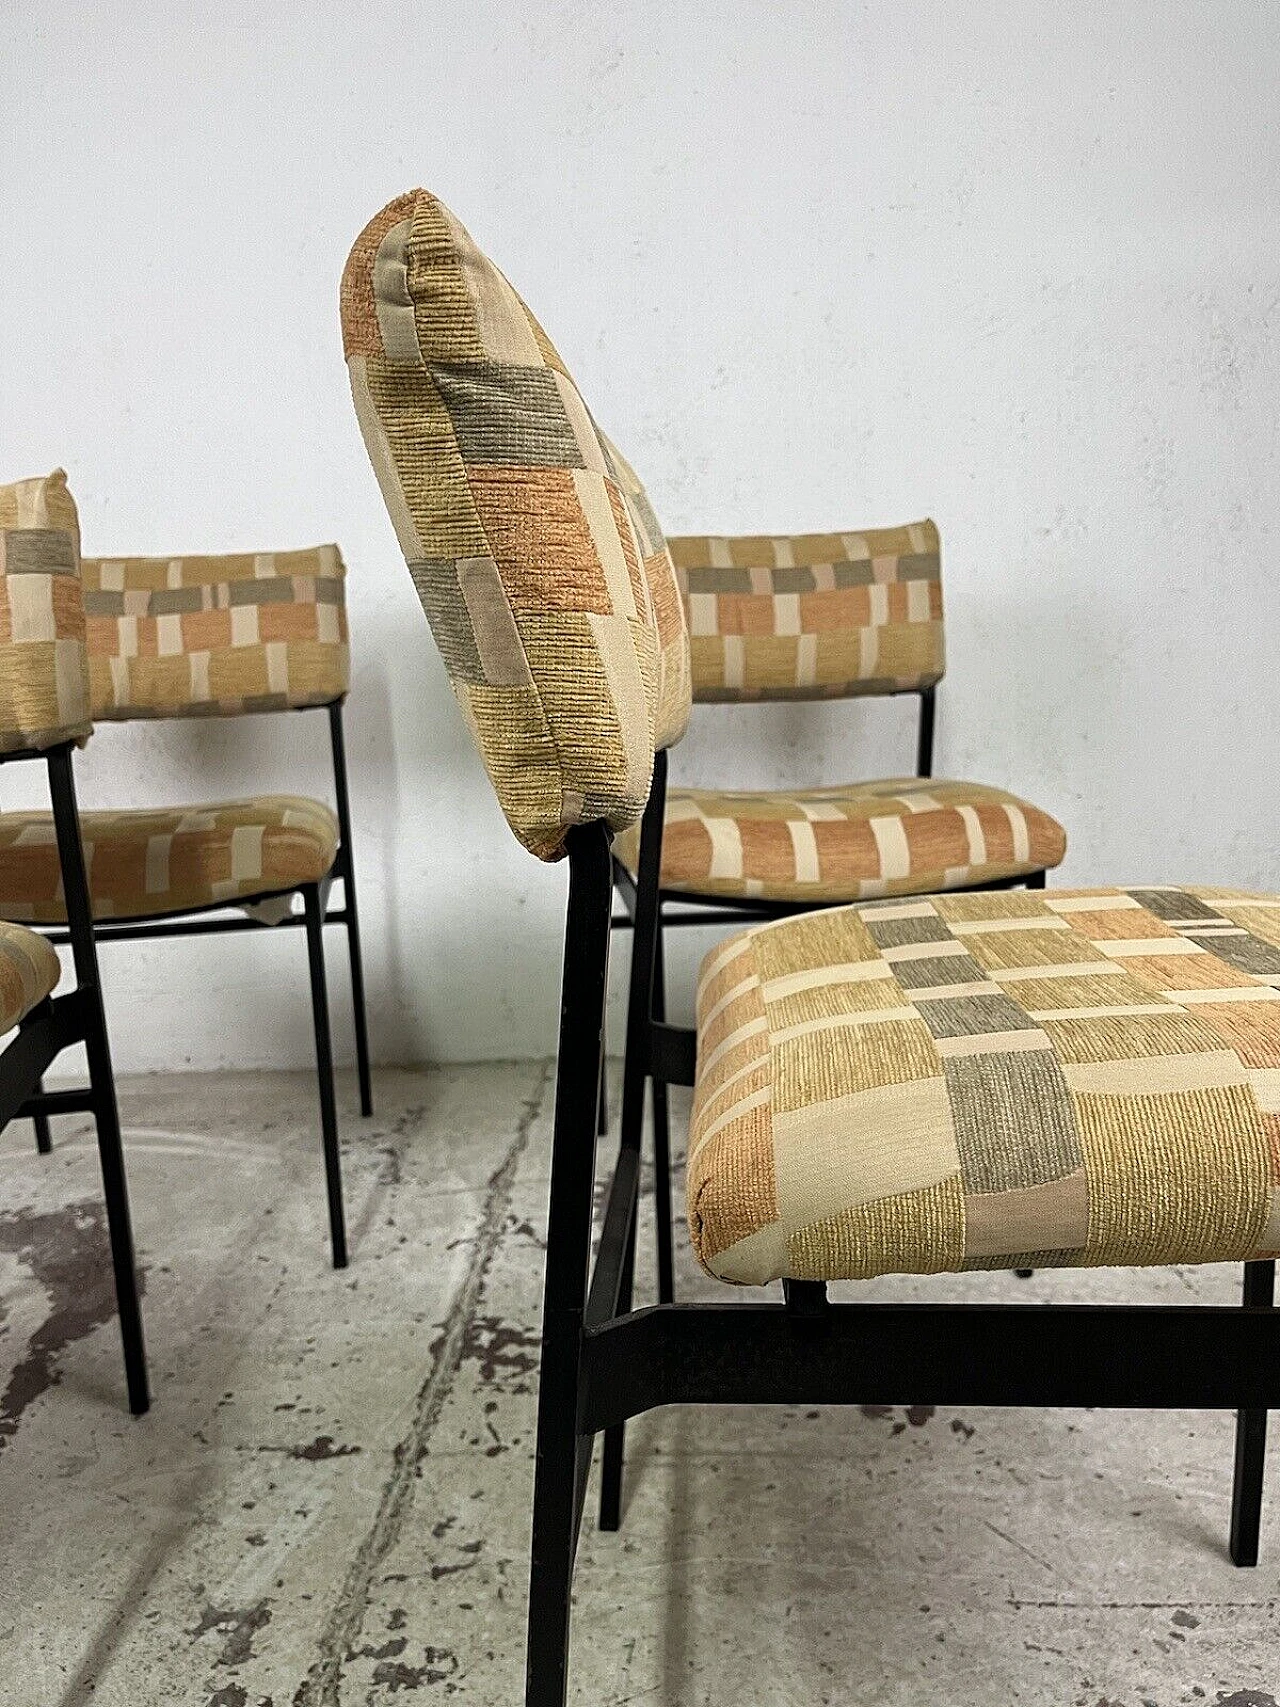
(29, 971)
(1004, 1080)
(44, 686)
(216, 636)
(529, 554)
(149, 862)
(904, 836)
(674, 682)
(813, 616)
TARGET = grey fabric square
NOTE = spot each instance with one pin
(39, 551)
(506, 414)
(1014, 1119)
(436, 579)
(972, 1016)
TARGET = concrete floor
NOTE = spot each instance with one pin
(327, 1505)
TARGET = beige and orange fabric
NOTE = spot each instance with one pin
(813, 616)
(29, 971)
(216, 636)
(44, 687)
(147, 862)
(1001, 1080)
(901, 836)
(527, 540)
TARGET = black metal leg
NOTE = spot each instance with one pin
(562, 1454)
(1038, 880)
(357, 998)
(662, 1205)
(612, 1455)
(1251, 1437)
(101, 1078)
(44, 1138)
(635, 1077)
(346, 866)
(314, 913)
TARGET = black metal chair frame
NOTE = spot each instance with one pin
(59, 1022)
(317, 912)
(719, 910)
(604, 1362)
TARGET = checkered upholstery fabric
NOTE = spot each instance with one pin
(990, 1080)
(526, 550)
(149, 862)
(903, 836)
(29, 971)
(813, 616)
(215, 636)
(44, 688)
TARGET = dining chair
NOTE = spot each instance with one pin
(794, 618)
(44, 716)
(907, 1085)
(215, 636)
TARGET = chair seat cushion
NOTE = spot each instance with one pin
(903, 836)
(29, 971)
(147, 862)
(998, 1080)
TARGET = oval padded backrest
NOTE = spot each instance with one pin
(524, 548)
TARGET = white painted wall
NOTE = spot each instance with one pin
(1014, 265)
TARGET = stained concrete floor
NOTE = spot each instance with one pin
(328, 1504)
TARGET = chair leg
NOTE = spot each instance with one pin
(562, 1455)
(44, 1137)
(1251, 1437)
(560, 1469)
(314, 915)
(614, 1451)
(662, 1205)
(348, 870)
(358, 1012)
(119, 1226)
(102, 1084)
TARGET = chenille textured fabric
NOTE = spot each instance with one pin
(215, 636)
(526, 548)
(903, 836)
(29, 971)
(145, 863)
(44, 686)
(813, 616)
(990, 1081)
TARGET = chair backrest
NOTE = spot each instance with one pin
(813, 616)
(44, 682)
(547, 584)
(215, 636)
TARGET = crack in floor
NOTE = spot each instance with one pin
(342, 1629)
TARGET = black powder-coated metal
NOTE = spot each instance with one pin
(1251, 1435)
(313, 913)
(84, 954)
(561, 1445)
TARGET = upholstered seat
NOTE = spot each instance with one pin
(29, 971)
(149, 862)
(990, 1080)
(903, 836)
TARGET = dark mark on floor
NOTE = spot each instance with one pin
(440, 1665)
(321, 1449)
(341, 1630)
(239, 1625)
(66, 1251)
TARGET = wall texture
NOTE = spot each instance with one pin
(1013, 265)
